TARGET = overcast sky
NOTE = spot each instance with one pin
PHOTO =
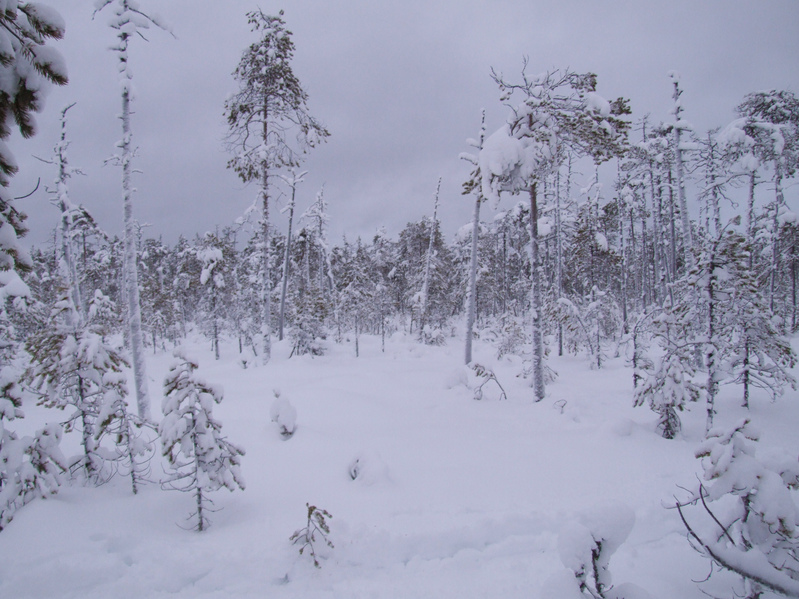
(400, 86)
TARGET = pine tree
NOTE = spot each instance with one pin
(202, 460)
(269, 103)
(755, 535)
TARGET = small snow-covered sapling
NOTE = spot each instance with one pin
(315, 531)
(284, 415)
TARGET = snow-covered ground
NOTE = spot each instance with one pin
(455, 498)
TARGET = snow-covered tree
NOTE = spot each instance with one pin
(680, 147)
(29, 466)
(214, 280)
(202, 460)
(129, 20)
(755, 535)
(421, 299)
(270, 103)
(69, 214)
(769, 129)
(669, 386)
(558, 110)
(78, 368)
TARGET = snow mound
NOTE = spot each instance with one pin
(368, 468)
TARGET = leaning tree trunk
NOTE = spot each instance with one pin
(536, 300)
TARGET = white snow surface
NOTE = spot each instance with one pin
(462, 498)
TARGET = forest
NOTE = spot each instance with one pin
(680, 269)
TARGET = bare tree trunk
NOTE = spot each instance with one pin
(779, 200)
(688, 239)
(471, 299)
(536, 303)
(286, 260)
(130, 255)
(266, 280)
(427, 262)
(67, 254)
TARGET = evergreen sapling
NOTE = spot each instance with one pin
(202, 460)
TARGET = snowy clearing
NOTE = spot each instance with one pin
(453, 497)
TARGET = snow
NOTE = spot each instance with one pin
(598, 104)
(453, 498)
(51, 59)
(47, 16)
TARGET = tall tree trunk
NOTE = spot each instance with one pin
(712, 343)
(536, 303)
(130, 256)
(78, 315)
(779, 200)
(286, 262)
(688, 239)
(427, 262)
(266, 280)
(471, 299)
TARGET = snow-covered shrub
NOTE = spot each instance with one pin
(484, 376)
(202, 460)
(284, 415)
(586, 546)
(750, 513)
(307, 336)
(433, 336)
(510, 335)
(30, 467)
(314, 535)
